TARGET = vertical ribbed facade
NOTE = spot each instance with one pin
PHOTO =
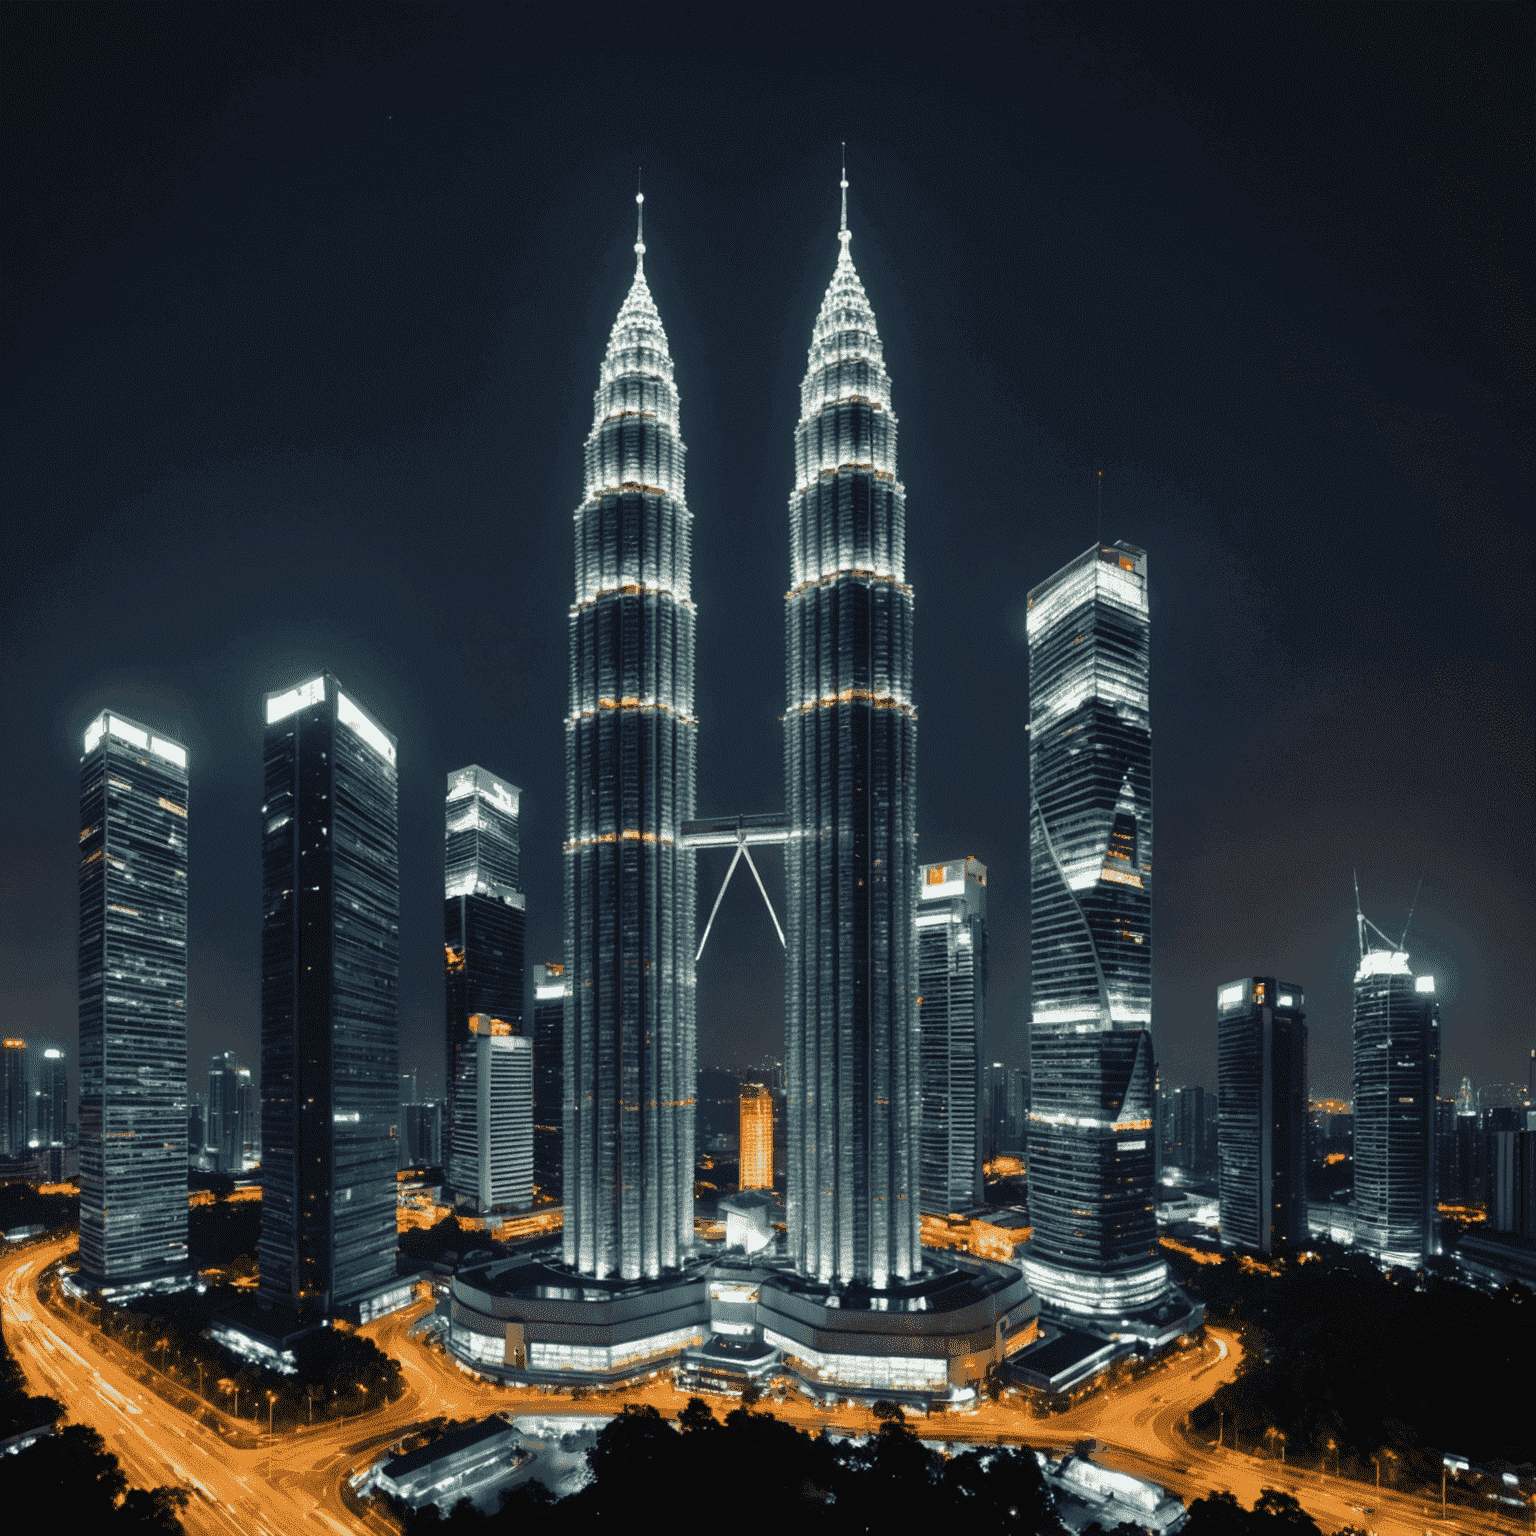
(850, 753)
(133, 1004)
(630, 1036)
(1397, 1079)
(1091, 1133)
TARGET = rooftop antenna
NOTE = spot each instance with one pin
(1101, 506)
(1402, 943)
(639, 221)
(1359, 917)
(842, 228)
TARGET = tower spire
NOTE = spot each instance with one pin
(639, 222)
(842, 229)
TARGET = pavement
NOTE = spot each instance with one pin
(291, 1486)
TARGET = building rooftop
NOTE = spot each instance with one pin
(456, 1440)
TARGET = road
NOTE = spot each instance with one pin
(291, 1488)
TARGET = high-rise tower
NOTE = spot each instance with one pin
(133, 1005)
(850, 770)
(330, 977)
(484, 911)
(630, 1046)
(1397, 1079)
(1094, 1249)
(952, 982)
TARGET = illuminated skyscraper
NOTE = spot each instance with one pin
(13, 1097)
(850, 767)
(1261, 1056)
(329, 987)
(225, 1137)
(630, 1043)
(952, 994)
(50, 1097)
(549, 994)
(484, 911)
(1094, 1250)
(133, 1005)
(493, 1125)
(756, 1141)
(1397, 1079)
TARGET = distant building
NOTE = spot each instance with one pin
(330, 978)
(250, 1119)
(421, 1134)
(225, 1138)
(952, 1021)
(1512, 1182)
(756, 1136)
(549, 993)
(1261, 1047)
(13, 1097)
(493, 1117)
(1007, 1109)
(48, 1132)
(484, 910)
(1397, 1079)
(133, 1005)
(197, 1129)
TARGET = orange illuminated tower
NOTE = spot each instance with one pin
(756, 1137)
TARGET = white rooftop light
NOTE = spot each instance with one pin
(1424, 984)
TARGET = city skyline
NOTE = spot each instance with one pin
(1207, 555)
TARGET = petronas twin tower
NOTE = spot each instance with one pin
(850, 779)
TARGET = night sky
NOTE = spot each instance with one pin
(303, 317)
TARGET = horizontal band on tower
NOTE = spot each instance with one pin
(857, 573)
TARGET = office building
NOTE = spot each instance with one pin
(493, 1117)
(421, 1134)
(850, 753)
(756, 1137)
(1007, 1109)
(133, 1006)
(330, 973)
(13, 1097)
(1261, 1064)
(952, 1022)
(1397, 1079)
(484, 910)
(49, 1114)
(549, 994)
(630, 1041)
(226, 1137)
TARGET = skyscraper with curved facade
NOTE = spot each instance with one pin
(850, 767)
(1094, 1251)
(630, 1040)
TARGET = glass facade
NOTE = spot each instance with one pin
(850, 770)
(484, 911)
(225, 1137)
(50, 1097)
(13, 1097)
(1091, 1136)
(1397, 1079)
(952, 1016)
(755, 1141)
(1261, 1054)
(549, 1003)
(629, 1044)
(133, 1004)
(330, 972)
(493, 1125)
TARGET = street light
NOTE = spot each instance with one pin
(271, 1403)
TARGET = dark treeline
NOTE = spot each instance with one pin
(1349, 1364)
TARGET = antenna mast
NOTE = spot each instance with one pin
(1402, 943)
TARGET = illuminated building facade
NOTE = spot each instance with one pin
(850, 760)
(1261, 1056)
(133, 1005)
(1397, 1079)
(630, 1038)
(549, 994)
(225, 1136)
(1007, 1108)
(330, 972)
(50, 1097)
(1091, 1135)
(756, 1140)
(952, 1018)
(13, 1097)
(484, 911)
(493, 1121)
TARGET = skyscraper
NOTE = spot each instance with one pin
(329, 986)
(484, 911)
(952, 1021)
(756, 1139)
(1094, 1249)
(225, 1136)
(13, 1097)
(50, 1097)
(850, 769)
(1006, 1109)
(1397, 1079)
(630, 1041)
(133, 1005)
(493, 1124)
(549, 995)
(1261, 1055)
